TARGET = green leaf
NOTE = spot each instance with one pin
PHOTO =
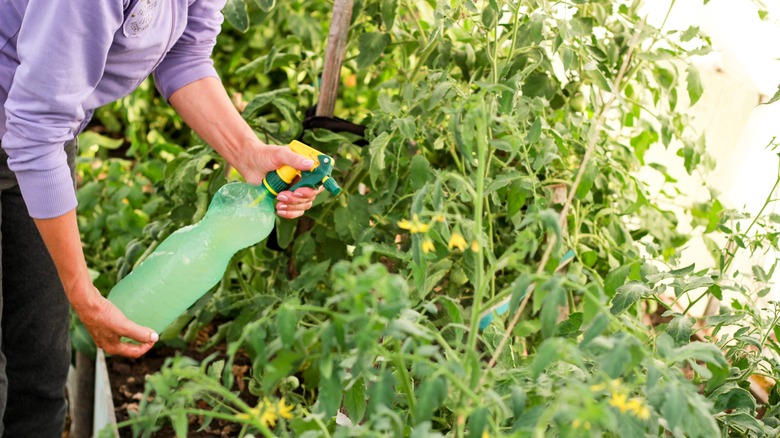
(519, 289)
(760, 274)
(505, 179)
(627, 295)
(489, 16)
(674, 407)
(587, 180)
(377, 150)
(774, 98)
(88, 139)
(266, 5)
(235, 13)
(430, 395)
(371, 45)
(689, 34)
(535, 132)
(665, 77)
(743, 421)
(554, 299)
(681, 272)
(732, 397)
(406, 127)
(180, 423)
(355, 401)
(615, 360)
(599, 79)
(616, 278)
(477, 422)
(329, 398)
(381, 393)
(389, 11)
(680, 328)
(695, 89)
(215, 369)
(571, 326)
(600, 323)
(642, 142)
(419, 171)
(287, 321)
(697, 282)
(549, 352)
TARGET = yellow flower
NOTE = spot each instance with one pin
(577, 424)
(268, 418)
(638, 408)
(457, 241)
(474, 246)
(427, 246)
(284, 411)
(414, 226)
(268, 413)
(614, 386)
(485, 434)
(619, 400)
(438, 218)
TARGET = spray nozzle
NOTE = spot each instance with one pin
(320, 174)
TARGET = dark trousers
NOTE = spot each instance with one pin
(35, 345)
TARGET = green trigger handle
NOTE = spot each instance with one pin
(282, 178)
(320, 175)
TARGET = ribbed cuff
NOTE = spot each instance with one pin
(47, 193)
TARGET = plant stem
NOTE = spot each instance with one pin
(479, 199)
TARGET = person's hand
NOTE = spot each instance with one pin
(263, 158)
(294, 204)
(107, 325)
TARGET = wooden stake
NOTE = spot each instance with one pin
(334, 57)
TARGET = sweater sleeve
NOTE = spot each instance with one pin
(62, 48)
(190, 58)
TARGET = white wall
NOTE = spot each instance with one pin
(742, 71)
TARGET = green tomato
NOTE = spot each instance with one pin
(457, 276)
(577, 103)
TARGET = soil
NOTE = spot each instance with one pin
(127, 387)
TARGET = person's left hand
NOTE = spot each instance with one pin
(265, 158)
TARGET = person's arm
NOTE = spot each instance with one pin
(62, 47)
(206, 108)
(102, 318)
(188, 80)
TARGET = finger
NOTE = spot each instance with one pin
(138, 333)
(302, 194)
(290, 214)
(285, 156)
(127, 349)
(307, 192)
(303, 206)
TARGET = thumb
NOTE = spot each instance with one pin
(284, 156)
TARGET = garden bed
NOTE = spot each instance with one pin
(128, 377)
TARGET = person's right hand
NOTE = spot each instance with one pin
(107, 325)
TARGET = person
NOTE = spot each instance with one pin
(59, 61)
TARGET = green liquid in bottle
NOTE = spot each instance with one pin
(193, 259)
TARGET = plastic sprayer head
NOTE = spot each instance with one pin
(320, 175)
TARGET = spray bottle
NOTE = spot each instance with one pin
(193, 259)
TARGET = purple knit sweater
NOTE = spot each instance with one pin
(59, 60)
